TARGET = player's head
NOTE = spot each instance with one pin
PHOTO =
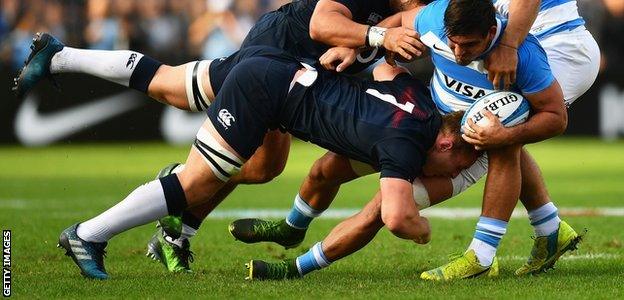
(450, 154)
(470, 26)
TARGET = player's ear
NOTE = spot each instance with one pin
(445, 144)
(492, 32)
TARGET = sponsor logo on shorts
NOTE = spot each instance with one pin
(225, 118)
(6, 263)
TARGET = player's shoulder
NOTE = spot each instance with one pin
(530, 50)
(431, 17)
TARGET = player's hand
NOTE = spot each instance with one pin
(492, 133)
(404, 42)
(501, 64)
(426, 236)
(338, 58)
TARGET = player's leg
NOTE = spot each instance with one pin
(268, 161)
(170, 244)
(346, 238)
(205, 173)
(315, 195)
(502, 189)
(574, 58)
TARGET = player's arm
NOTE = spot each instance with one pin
(408, 18)
(549, 119)
(400, 213)
(502, 62)
(386, 72)
(332, 24)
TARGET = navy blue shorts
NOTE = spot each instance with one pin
(250, 99)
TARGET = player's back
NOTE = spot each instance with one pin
(353, 117)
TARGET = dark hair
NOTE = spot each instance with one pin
(466, 17)
(451, 124)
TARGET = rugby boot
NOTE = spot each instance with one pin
(261, 270)
(88, 256)
(462, 266)
(256, 230)
(37, 66)
(175, 258)
(547, 249)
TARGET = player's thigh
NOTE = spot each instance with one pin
(268, 161)
(209, 165)
(574, 59)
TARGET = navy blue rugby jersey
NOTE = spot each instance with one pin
(389, 125)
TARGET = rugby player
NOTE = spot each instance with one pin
(304, 29)
(449, 88)
(391, 124)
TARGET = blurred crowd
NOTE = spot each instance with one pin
(176, 31)
(171, 30)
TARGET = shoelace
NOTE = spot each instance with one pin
(277, 270)
(185, 254)
(266, 226)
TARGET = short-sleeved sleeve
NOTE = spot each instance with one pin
(399, 158)
(534, 74)
(430, 17)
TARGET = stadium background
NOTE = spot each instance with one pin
(177, 31)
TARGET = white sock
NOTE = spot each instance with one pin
(485, 252)
(145, 204)
(487, 237)
(545, 219)
(116, 66)
(187, 233)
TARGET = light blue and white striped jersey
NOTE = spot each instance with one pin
(554, 16)
(455, 87)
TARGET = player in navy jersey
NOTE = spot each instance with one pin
(390, 124)
(305, 29)
(458, 44)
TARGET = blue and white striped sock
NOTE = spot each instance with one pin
(487, 236)
(301, 214)
(312, 260)
(545, 220)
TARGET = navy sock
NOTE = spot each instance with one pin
(174, 194)
(191, 220)
(143, 73)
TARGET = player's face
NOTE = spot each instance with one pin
(447, 163)
(468, 47)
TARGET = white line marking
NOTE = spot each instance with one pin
(589, 256)
(443, 213)
(341, 213)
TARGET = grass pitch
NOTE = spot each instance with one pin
(42, 191)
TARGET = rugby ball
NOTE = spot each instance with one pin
(511, 109)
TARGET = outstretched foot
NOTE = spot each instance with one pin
(37, 66)
(261, 270)
(256, 230)
(88, 256)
